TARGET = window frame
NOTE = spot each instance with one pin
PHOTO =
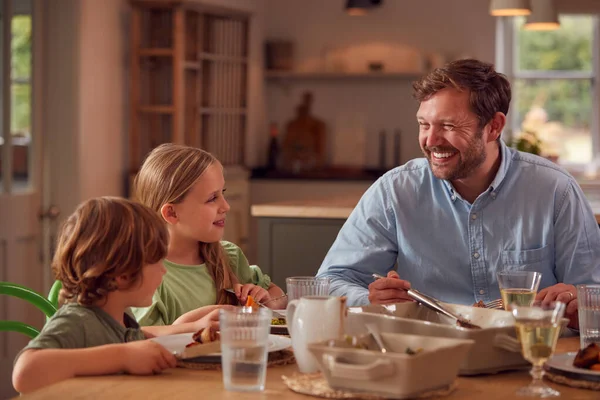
(506, 56)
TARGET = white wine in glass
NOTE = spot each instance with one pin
(518, 287)
(538, 327)
(520, 297)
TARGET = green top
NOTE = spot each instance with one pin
(75, 326)
(187, 287)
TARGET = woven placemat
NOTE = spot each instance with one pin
(577, 383)
(281, 357)
(316, 385)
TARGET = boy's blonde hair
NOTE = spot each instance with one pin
(167, 176)
(103, 239)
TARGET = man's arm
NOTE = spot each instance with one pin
(366, 244)
(577, 251)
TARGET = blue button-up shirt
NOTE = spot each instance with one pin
(533, 217)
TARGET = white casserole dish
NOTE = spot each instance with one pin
(394, 374)
(495, 349)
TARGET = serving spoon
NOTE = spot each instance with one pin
(435, 305)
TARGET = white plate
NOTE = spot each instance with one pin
(177, 343)
(562, 364)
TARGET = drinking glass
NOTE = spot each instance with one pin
(539, 327)
(244, 347)
(518, 287)
(300, 286)
(588, 298)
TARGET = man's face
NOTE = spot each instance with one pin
(450, 136)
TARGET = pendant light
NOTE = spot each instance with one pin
(508, 8)
(544, 16)
(360, 7)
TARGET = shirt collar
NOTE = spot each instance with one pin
(505, 161)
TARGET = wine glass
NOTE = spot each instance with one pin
(518, 287)
(539, 327)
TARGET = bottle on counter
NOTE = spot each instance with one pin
(273, 156)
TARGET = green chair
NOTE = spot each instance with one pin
(31, 296)
(54, 292)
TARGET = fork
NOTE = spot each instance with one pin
(495, 304)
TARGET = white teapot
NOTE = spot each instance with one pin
(313, 319)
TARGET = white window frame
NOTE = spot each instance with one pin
(506, 54)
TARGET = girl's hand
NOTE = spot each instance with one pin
(259, 294)
(211, 320)
(145, 357)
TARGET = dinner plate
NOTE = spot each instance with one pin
(562, 364)
(279, 330)
(177, 343)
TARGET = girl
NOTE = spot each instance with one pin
(186, 187)
(108, 258)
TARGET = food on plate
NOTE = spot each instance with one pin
(588, 357)
(413, 352)
(278, 321)
(250, 302)
(205, 335)
(479, 304)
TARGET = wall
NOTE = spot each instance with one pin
(357, 107)
(102, 96)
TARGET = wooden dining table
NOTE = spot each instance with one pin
(181, 383)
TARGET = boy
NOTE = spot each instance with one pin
(109, 258)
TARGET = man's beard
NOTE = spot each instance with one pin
(468, 162)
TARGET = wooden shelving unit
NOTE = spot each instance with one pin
(297, 76)
(188, 79)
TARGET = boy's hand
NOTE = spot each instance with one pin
(259, 294)
(146, 357)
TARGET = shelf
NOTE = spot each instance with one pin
(225, 111)
(156, 109)
(194, 65)
(156, 52)
(224, 58)
(290, 75)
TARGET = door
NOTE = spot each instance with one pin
(21, 256)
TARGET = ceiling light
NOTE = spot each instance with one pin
(544, 16)
(507, 8)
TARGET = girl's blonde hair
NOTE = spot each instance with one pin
(167, 176)
(103, 239)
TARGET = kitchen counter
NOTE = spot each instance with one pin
(335, 207)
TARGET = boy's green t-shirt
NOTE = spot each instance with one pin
(75, 326)
(187, 287)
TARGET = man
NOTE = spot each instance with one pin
(470, 208)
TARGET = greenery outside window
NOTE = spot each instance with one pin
(555, 102)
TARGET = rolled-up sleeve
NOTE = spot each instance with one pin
(577, 251)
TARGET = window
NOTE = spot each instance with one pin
(555, 101)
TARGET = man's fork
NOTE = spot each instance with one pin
(495, 304)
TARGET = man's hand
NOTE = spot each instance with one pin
(389, 290)
(566, 294)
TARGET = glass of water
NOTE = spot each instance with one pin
(244, 347)
(300, 286)
(588, 298)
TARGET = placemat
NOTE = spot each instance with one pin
(281, 357)
(577, 383)
(316, 385)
